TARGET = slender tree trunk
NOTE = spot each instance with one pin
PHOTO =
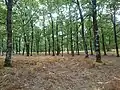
(25, 44)
(96, 33)
(53, 39)
(13, 45)
(83, 29)
(91, 43)
(23, 50)
(68, 38)
(115, 34)
(91, 48)
(27, 48)
(77, 44)
(16, 47)
(62, 37)
(71, 32)
(19, 45)
(109, 46)
(103, 42)
(37, 42)
(37, 47)
(71, 37)
(45, 48)
(49, 46)
(2, 47)
(24, 37)
(7, 62)
(32, 37)
(58, 46)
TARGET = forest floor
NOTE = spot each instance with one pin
(60, 73)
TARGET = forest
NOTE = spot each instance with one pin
(59, 44)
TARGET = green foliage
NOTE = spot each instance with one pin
(25, 11)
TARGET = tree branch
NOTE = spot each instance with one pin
(28, 20)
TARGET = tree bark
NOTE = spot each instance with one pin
(37, 47)
(77, 44)
(68, 38)
(83, 29)
(7, 62)
(27, 48)
(16, 46)
(115, 35)
(57, 36)
(45, 48)
(32, 37)
(71, 32)
(103, 42)
(53, 39)
(2, 52)
(96, 33)
(90, 38)
(62, 38)
(13, 45)
(19, 45)
(23, 50)
(91, 46)
(49, 46)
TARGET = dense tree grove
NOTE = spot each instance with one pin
(55, 27)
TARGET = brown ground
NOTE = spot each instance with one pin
(60, 73)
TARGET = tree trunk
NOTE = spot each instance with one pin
(24, 37)
(68, 38)
(96, 33)
(37, 42)
(109, 45)
(61, 27)
(90, 38)
(77, 44)
(37, 47)
(23, 49)
(45, 48)
(71, 38)
(7, 62)
(2, 44)
(16, 47)
(13, 45)
(49, 46)
(91, 48)
(25, 45)
(2, 53)
(83, 29)
(71, 32)
(53, 39)
(27, 48)
(115, 35)
(58, 46)
(62, 44)
(103, 42)
(32, 37)
(19, 45)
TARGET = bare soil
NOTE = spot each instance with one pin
(60, 73)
